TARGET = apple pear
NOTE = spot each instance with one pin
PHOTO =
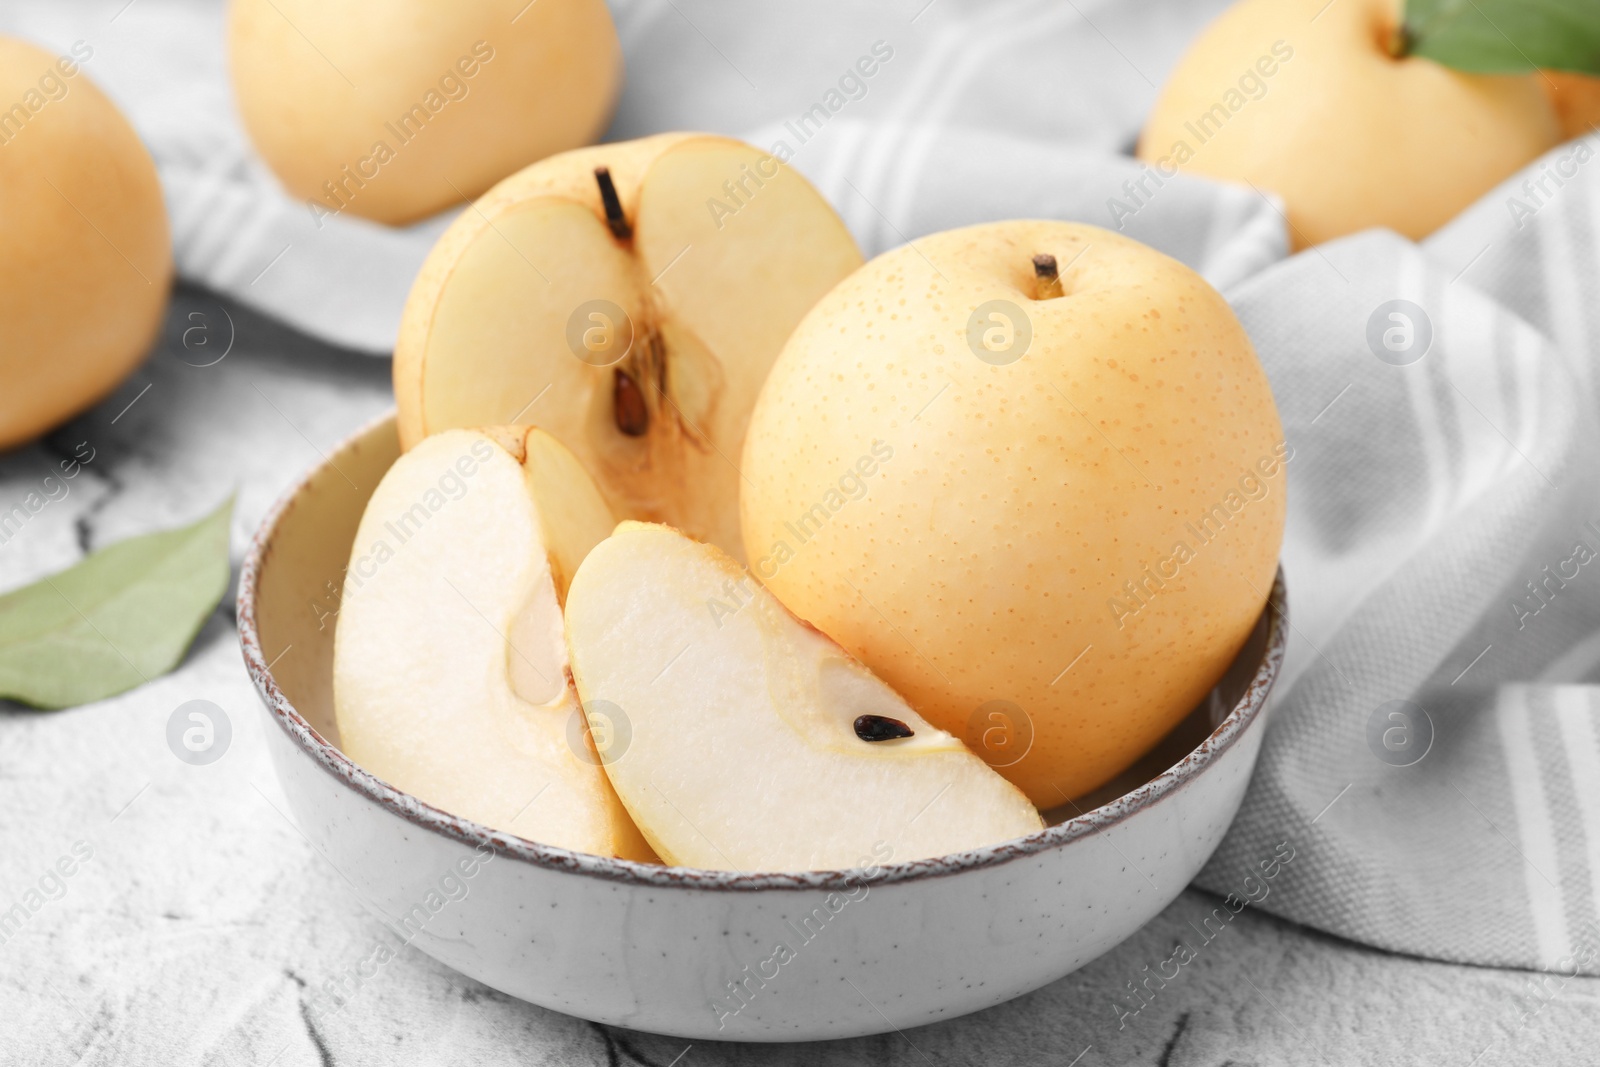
(85, 257)
(743, 739)
(1306, 99)
(1576, 98)
(394, 112)
(1071, 516)
(449, 663)
(629, 299)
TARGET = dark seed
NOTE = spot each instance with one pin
(608, 196)
(880, 728)
(627, 405)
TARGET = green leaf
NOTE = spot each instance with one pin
(123, 616)
(1506, 36)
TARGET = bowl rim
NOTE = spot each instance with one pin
(1245, 713)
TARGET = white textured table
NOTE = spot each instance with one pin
(201, 923)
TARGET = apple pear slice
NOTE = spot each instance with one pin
(744, 739)
(629, 299)
(449, 665)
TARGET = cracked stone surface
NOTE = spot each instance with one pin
(196, 930)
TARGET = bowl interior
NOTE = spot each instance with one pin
(308, 548)
(303, 565)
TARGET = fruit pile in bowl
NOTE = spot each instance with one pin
(715, 593)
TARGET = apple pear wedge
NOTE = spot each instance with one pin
(744, 739)
(629, 299)
(449, 665)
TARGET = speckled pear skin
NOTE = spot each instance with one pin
(1346, 134)
(1080, 529)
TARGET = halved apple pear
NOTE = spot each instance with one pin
(449, 666)
(745, 739)
(629, 299)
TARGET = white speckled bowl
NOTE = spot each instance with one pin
(697, 953)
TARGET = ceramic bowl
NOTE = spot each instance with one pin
(715, 954)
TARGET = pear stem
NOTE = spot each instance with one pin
(1401, 41)
(1048, 281)
(613, 205)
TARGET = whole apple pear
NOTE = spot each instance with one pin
(1031, 474)
(1576, 98)
(1305, 99)
(85, 256)
(396, 111)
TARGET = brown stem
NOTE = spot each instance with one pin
(1048, 282)
(1401, 41)
(608, 196)
(628, 406)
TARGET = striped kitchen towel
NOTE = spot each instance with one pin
(1435, 744)
(1432, 753)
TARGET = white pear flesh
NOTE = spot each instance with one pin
(450, 667)
(734, 743)
(533, 308)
